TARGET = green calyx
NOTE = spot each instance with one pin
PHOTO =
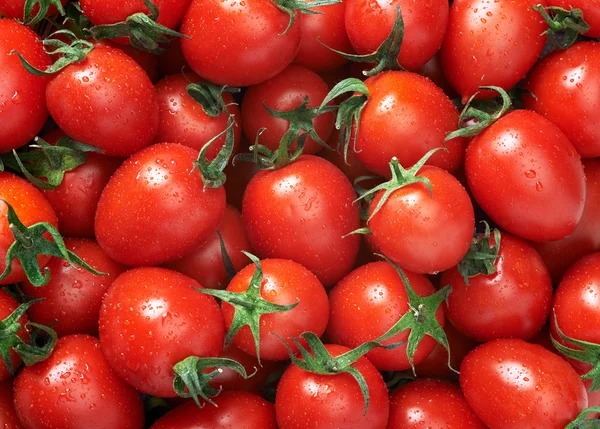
(191, 381)
(481, 257)
(249, 305)
(583, 422)
(44, 5)
(481, 113)
(141, 29)
(229, 268)
(570, 23)
(31, 353)
(292, 6)
(212, 172)
(210, 97)
(30, 243)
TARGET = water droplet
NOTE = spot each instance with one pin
(530, 173)
(539, 186)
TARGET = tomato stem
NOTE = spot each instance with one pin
(212, 173)
(44, 5)
(210, 97)
(582, 421)
(481, 257)
(292, 6)
(570, 23)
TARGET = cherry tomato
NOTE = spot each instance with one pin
(146, 60)
(8, 415)
(7, 306)
(590, 9)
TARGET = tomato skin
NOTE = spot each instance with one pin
(367, 303)
(526, 175)
(77, 97)
(285, 91)
(168, 213)
(512, 303)
(436, 228)
(76, 374)
(492, 43)
(369, 23)
(406, 116)
(73, 295)
(8, 415)
(256, 48)
(305, 400)
(7, 306)
(23, 110)
(235, 410)
(564, 83)
(590, 9)
(147, 61)
(302, 212)
(511, 384)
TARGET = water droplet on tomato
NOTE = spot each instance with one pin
(530, 173)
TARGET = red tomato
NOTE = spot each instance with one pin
(76, 385)
(238, 177)
(172, 61)
(16, 9)
(145, 60)
(302, 212)
(23, 110)
(305, 400)
(234, 410)
(107, 101)
(350, 166)
(564, 85)
(431, 404)
(150, 320)
(369, 23)
(367, 303)
(7, 306)
(254, 49)
(590, 9)
(511, 384)
(153, 210)
(526, 175)
(72, 298)
(434, 71)
(491, 43)
(8, 415)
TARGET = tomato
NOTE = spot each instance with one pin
(239, 44)
(72, 297)
(491, 43)
(8, 415)
(172, 61)
(7, 306)
(234, 410)
(434, 71)
(76, 385)
(238, 177)
(369, 23)
(511, 384)
(431, 404)
(405, 116)
(23, 110)
(436, 228)
(107, 101)
(150, 320)
(564, 85)
(153, 210)
(146, 60)
(183, 121)
(302, 212)
(306, 400)
(590, 9)
(16, 8)
(367, 303)
(526, 175)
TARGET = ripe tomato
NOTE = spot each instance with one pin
(427, 404)
(306, 400)
(511, 384)
(15, 9)
(526, 175)
(590, 9)
(434, 71)
(491, 43)
(8, 415)
(72, 298)
(255, 47)
(238, 177)
(350, 166)
(146, 60)
(369, 23)
(23, 110)
(150, 319)
(172, 61)
(564, 85)
(75, 385)
(7, 306)
(154, 208)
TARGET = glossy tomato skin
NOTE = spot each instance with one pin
(152, 318)
(78, 97)
(23, 110)
(369, 23)
(421, 231)
(590, 9)
(7, 306)
(564, 84)
(431, 404)
(31, 207)
(491, 43)
(72, 298)
(302, 212)
(284, 282)
(183, 121)
(234, 410)
(153, 210)
(146, 60)
(526, 175)
(511, 384)
(512, 303)
(8, 415)
(256, 48)
(367, 303)
(305, 400)
(74, 385)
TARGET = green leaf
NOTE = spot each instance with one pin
(212, 173)
(210, 97)
(582, 421)
(481, 257)
(229, 268)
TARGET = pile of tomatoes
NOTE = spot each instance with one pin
(300, 214)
